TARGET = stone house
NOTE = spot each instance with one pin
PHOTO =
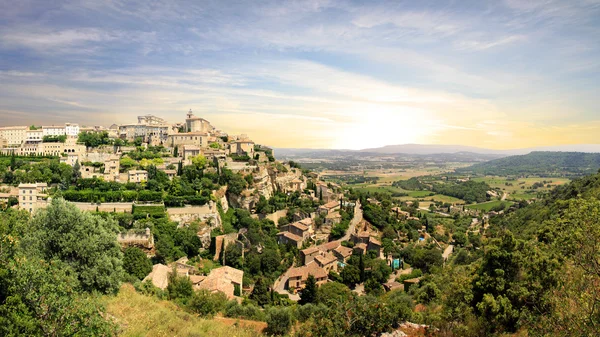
(342, 253)
(327, 261)
(308, 255)
(32, 196)
(137, 176)
(298, 276)
(287, 238)
(328, 207)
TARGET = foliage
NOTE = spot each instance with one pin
(136, 263)
(279, 321)
(207, 304)
(539, 163)
(43, 300)
(179, 288)
(470, 191)
(85, 242)
(94, 139)
(54, 139)
(309, 293)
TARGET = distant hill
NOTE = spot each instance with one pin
(428, 149)
(540, 163)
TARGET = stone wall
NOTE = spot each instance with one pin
(136, 239)
(188, 214)
(119, 207)
(273, 216)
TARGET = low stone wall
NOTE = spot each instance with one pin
(119, 207)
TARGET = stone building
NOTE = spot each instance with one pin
(14, 135)
(33, 196)
(298, 276)
(137, 176)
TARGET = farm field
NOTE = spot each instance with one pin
(514, 187)
(487, 206)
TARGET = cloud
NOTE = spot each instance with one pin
(327, 73)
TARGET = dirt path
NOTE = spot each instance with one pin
(447, 252)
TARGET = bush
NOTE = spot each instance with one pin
(279, 322)
(250, 311)
(136, 263)
(207, 304)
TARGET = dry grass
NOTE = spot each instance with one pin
(140, 315)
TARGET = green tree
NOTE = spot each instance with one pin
(207, 304)
(350, 275)
(260, 293)
(309, 293)
(373, 287)
(136, 263)
(84, 241)
(199, 162)
(43, 301)
(279, 321)
(179, 287)
(333, 291)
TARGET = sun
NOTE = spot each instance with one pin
(376, 125)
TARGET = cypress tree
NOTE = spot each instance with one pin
(309, 293)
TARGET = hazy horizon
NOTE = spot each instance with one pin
(312, 74)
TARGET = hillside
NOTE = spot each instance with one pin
(548, 164)
(140, 315)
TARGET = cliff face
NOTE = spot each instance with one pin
(262, 185)
(266, 181)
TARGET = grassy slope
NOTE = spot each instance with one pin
(140, 315)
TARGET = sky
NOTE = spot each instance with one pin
(312, 73)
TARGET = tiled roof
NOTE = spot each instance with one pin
(343, 251)
(309, 250)
(324, 260)
(291, 236)
(309, 269)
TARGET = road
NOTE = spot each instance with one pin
(428, 210)
(356, 219)
(504, 196)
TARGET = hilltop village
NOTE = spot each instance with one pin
(194, 204)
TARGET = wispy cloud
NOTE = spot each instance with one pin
(390, 72)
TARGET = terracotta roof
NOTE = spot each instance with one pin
(300, 226)
(309, 250)
(343, 251)
(222, 279)
(306, 221)
(309, 269)
(326, 259)
(296, 181)
(362, 246)
(331, 204)
(329, 245)
(159, 276)
(291, 236)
